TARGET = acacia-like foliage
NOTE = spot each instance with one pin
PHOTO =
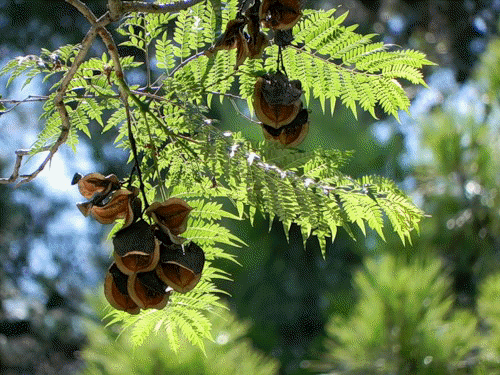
(183, 154)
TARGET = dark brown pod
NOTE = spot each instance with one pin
(232, 38)
(84, 208)
(147, 290)
(280, 14)
(180, 267)
(136, 249)
(116, 292)
(257, 44)
(118, 207)
(276, 100)
(171, 215)
(96, 183)
(290, 135)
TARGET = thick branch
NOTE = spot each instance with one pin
(84, 10)
(139, 6)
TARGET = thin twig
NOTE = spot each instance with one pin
(19, 158)
(63, 113)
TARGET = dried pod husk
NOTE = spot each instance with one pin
(116, 291)
(96, 183)
(258, 40)
(280, 14)
(290, 135)
(147, 290)
(136, 249)
(171, 216)
(256, 45)
(84, 208)
(276, 100)
(118, 207)
(233, 37)
(180, 267)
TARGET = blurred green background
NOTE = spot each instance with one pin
(370, 307)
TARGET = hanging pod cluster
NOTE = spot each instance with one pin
(278, 106)
(276, 99)
(243, 33)
(150, 261)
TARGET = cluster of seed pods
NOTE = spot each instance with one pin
(243, 33)
(278, 106)
(151, 261)
(276, 99)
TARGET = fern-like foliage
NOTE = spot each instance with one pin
(184, 154)
(229, 353)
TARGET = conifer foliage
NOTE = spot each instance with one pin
(274, 55)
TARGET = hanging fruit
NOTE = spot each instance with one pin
(276, 99)
(116, 292)
(96, 183)
(171, 217)
(290, 135)
(280, 14)
(180, 266)
(147, 290)
(136, 249)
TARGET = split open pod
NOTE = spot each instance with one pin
(96, 184)
(290, 135)
(136, 249)
(276, 99)
(171, 217)
(280, 14)
(147, 290)
(180, 266)
(116, 291)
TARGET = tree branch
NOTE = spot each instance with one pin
(116, 10)
(139, 6)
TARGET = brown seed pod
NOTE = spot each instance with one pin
(256, 45)
(258, 40)
(84, 208)
(276, 100)
(116, 292)
(181, 266)
(147, 290)
(280, 14)
(96, 183)
(290, 135)
(118, 207)
(171, 215)
(232, 38)
(136, 249)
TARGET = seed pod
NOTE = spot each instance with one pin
(96, 183)
(290, 135)
(171, 215)
(118, 207)
(280, 14)
(276, 99)
(136, 249)
(147, 290)
(232, 38)
(84, 208)
(116, 292)
(181, 266)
